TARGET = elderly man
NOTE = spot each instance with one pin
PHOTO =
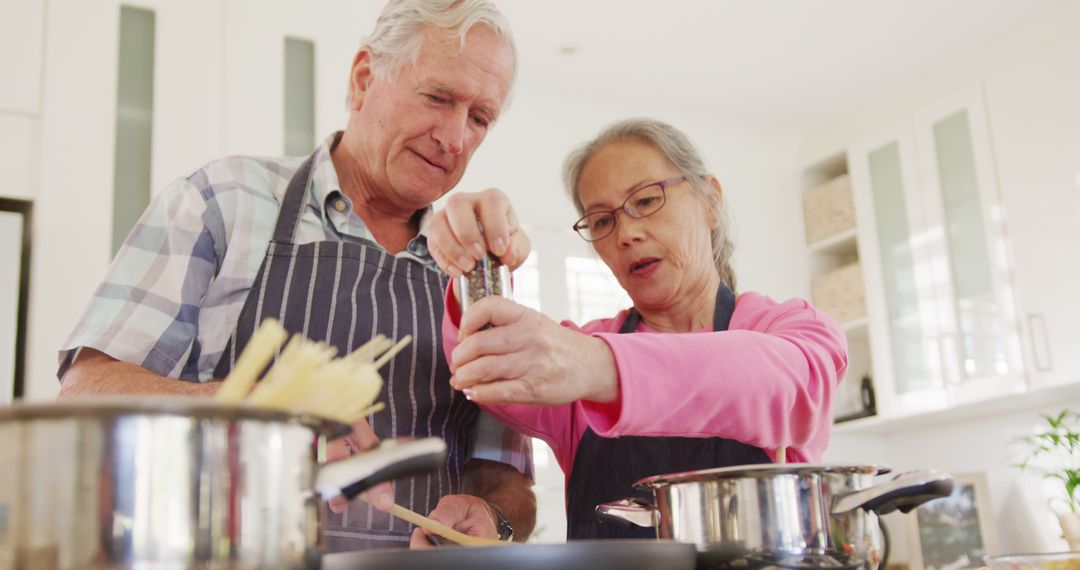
(333, 246)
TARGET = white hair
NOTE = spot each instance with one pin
(401, 27)
(684, 155)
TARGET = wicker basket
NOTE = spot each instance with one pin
(828, 209)
(840, 293)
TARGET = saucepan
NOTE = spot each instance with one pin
(797, 516)
(176, 483)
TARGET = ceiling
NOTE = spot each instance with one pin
(788, 64)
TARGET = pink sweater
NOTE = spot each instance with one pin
(767, 381)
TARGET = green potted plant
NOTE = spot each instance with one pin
(1054, 452)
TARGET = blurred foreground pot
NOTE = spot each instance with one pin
(175, 483)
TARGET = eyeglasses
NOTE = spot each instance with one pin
(644, 201)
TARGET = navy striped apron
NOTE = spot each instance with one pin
(605, 469)
(344, 293)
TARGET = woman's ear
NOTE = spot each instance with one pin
(714, 217)
(360, 76)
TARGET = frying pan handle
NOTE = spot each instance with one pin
(904, 492)
(627, 512)
(390, 460)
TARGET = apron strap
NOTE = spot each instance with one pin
(292, 206)
(725, 307)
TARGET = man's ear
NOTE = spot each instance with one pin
(714, 220)
(360, 76)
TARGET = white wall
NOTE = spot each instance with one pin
(21, 32)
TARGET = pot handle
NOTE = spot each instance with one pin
(627, 512)
(391, 459)
(905, 492)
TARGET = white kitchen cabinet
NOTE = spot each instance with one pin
(837, 283)
(931, 237)
(1034, 111)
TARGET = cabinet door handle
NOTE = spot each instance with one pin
(1040, 342)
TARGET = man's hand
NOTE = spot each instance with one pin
(362, 438)
(454, 238)
(464, 513)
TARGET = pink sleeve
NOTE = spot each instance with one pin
(767, 381)
(549, 423)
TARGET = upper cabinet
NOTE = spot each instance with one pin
(931, 236)
(1034, 110)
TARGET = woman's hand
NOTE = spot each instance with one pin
(527, 358)
(454, 238)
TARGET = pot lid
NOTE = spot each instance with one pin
(757, 471)
(192, 407)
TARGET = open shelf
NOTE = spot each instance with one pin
(854, 325)
(837, 244)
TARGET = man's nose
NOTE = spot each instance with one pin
(450, 132)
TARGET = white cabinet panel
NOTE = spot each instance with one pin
(21, 24)
(1034, 110)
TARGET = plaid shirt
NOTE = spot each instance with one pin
(174, 291)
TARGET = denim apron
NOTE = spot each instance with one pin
(605, 469)
(345, 293)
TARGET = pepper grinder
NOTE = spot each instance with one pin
(489, 277)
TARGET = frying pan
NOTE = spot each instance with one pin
(591, 554)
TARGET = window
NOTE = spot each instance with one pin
(592, 290)
(299, 97)
(134, 120)
(14, 289)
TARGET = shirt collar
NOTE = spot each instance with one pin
(326, 195)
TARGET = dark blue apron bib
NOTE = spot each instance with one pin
(605, 469)
(344, 293)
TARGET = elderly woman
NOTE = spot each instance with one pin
(693, 376)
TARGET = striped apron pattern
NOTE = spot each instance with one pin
(344, 293)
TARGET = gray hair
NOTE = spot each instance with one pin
(399, 32)
(683, 154)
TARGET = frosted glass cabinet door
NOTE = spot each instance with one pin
(913, 368)
(11, 231)
(899, 287)
(966, 242)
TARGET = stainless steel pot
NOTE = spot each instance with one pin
(589, 554)
(175, 483)
(778, 516)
